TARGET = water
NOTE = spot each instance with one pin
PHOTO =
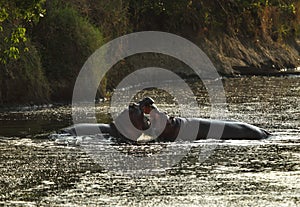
(37, 171)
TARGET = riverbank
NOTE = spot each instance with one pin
(232, 56)
(240, 37)
(189, 77)
(251, 56)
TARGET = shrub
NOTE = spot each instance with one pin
(22, 81)
(66, 41)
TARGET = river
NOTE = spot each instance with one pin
(36, 170)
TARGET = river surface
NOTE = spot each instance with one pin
(37, 170)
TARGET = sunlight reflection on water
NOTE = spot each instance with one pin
(35, 171)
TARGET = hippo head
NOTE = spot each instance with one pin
(137, 117)
(132, 126)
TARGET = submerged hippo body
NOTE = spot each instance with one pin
(87, 129)
(176, 128)
(197, 129)
(90, 129)
(232, 130)
(130, 128)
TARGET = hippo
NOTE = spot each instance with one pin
(168, 129)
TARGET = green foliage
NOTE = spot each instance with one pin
(67, 40)
(161, 14)
(16, 16)
(239, 17)
(72, 30)
(114, 20)
(22, 81)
